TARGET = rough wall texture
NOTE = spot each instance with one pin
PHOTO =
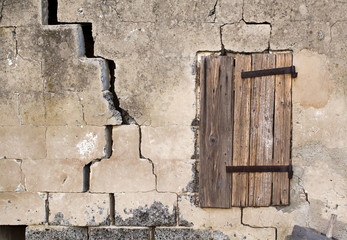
(70, 161)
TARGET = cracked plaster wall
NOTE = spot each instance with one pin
(65, 138)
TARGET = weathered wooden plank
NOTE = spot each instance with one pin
(216, 122)
(262, 129)
(242, 103)
(282, 131)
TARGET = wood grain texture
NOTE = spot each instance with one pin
(261, 132)
(242, 103)
(282, 130)
(216, 130)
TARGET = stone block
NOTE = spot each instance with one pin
(165, 143)
(153, 97)
(226, 223)
(112, 175)
(229, 11)
(22, 208)
(99, 108)
(63, 109)
(145, 209)
(10, 175)
(19, 13)
(57, 175)
(122, 175)
(32, 108)
(182, 233)
(84, 209)
(23, 142)
(55, 233)
(20, 75)
(312, 87)
(126, 141)
(111, 233)
(307, 234)
(84, 143)
(176, 175)
(9, 105)
(257, 35)
(8, 44)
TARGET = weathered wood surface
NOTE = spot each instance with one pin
(244, 122)
(261, 132)
(282, 130)
(241, 130)
(216, 122)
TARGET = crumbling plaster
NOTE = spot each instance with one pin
(60, 126)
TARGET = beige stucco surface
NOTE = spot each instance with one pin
(60, 133)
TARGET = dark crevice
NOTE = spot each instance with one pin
(152, 230)
(112, 209)
(12, 232)
(89, 52)
(86, 177)
(47, 208)
(52, 12)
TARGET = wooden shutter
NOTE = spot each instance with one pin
(244, 122)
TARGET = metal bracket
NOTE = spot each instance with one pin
(268, 72)
(250, 169)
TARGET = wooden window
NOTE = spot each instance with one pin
(244, 122)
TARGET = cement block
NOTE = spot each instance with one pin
(22, 208)
(145, 209)
(23, 142)
(57, 175)
(182, 233)
(84, 143)
(10, 175)
(55, 233)
(111, 233)
(84, 209)
(164, 143)
(257, 35)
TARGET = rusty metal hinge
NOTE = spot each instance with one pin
(250, 169)
(268, 72)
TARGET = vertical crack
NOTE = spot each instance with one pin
(47, 211)
(149, 160)
(1, 8)
(112, 209)
(86, 177)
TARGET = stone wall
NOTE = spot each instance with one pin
(99, 112)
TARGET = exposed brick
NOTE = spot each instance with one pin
(57, 175)
(22, 208)
(79, 209)
(145, 209)
(111, 233)
(182, 233)
(10, 175)
(55, 233)
(23, 142)
(67, 142)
